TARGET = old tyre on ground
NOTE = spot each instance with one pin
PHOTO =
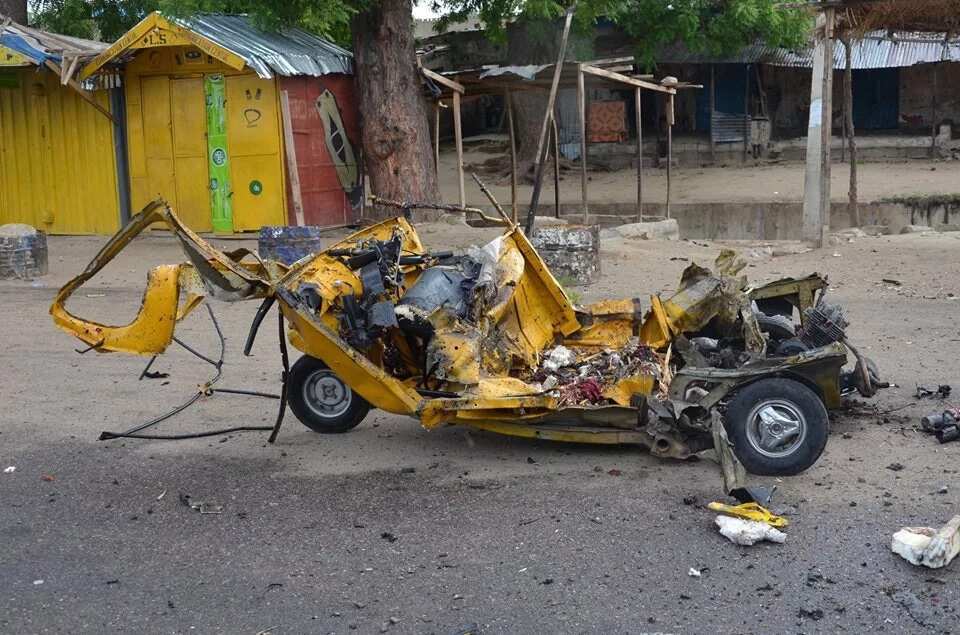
(321, 400)
(778, 426)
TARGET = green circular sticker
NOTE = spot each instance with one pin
(219, 156)
(256, 188)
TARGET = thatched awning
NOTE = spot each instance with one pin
(861, 16)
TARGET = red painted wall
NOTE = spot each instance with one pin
(325, 201)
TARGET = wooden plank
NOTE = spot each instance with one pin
(291, 151)
(556, 167)
(639, 112)
(456, 87)
(626, 79)
(746, 112)
(541, 149)
(458, 136)
(582, 108)
(514, 186)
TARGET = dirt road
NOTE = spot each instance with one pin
(781, 182)
(394, 529)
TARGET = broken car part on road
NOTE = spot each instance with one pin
(489, 339)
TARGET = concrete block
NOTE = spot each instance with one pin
(916, 229)
(571, 251)
(660, 230)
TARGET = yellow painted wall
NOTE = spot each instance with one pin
(57, 163)
(166, 131)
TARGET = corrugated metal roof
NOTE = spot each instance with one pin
(287, 52)
(40, 46)
(877, 50)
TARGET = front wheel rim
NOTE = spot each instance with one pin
(326, 395)
(776, 428)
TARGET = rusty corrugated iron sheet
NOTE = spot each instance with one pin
(877, 50)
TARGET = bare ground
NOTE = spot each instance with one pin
(449, 530)
(780, 182)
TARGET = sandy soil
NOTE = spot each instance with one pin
(392, 528)
(782, 182)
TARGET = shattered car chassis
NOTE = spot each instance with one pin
(489, 339)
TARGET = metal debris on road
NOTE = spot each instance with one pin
(694, 573)
(10, 470)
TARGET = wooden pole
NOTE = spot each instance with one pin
(670, 120)
(853, 207)
(816, 190)
(933, 114)
(713, 108)
(292, 169)
(746, 112)
(556, 167)
(513, 157)
(639, 156)
(436, 135)
(458, 136)
(582, 108)
(541, 149)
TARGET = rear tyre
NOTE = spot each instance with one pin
(778, 426)
(321, 400)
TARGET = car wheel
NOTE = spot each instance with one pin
(321, 400)
(778, 426)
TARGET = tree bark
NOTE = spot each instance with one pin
(394, 123)
(16, 10)
(853, 207)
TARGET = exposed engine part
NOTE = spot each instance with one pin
(824, 325)
(438, 287)
(382, 315)
(791, 347)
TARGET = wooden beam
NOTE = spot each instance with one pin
(556, 167)
(514, 186)
(458, 137)
(816, 189)
(713, 108)
(582, 109)
(639, 113)
(436, 136)
(456, 87)
(84, 94)
(670, 120)
(746, 112)
(541, 149)
(625, 79)
(291, 150)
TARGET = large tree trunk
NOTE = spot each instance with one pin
(16, 10)
(395, 132)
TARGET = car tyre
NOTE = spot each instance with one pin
(778, 426)
(321, 400)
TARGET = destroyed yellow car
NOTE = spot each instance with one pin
(489, 339)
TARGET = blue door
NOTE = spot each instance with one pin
(731, 81)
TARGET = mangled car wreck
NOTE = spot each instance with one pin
(489, 339)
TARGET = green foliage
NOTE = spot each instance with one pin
(107, 20)
(717, 27)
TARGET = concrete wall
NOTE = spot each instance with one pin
(760, 221)
(916, 91)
